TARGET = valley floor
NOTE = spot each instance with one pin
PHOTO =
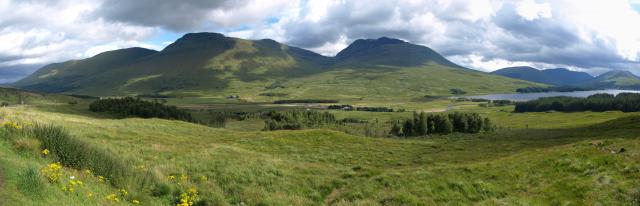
(533, 159)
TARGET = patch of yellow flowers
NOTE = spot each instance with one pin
(52, 172)
(12, 125)
(72, 186)
(189, 197)
(113, 197)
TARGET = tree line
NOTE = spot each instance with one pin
(347, 107)
(297, 119)
(304, 101)
(625, 102)
(129, 106)
(425, 123)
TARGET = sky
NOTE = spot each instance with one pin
(588, 35)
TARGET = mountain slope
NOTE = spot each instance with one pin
(210, 64)
(59, 77)
(557, 77)
(616, 79)
(390, 52)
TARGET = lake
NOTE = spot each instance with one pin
(532, 96)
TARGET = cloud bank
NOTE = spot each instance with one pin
(591, 36)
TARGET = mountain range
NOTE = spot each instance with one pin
(615, 79)
(211, 64)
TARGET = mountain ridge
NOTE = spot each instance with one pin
(556, 77)
(213, 64)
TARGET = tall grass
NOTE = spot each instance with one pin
(75, 153)
(30, 182)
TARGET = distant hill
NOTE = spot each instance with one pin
(211, 64)
(616, 79)
(557, 77)
(388, 51)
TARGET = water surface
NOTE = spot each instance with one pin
(532, 96)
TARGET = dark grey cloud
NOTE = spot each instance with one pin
(173, 15)
(457, 29)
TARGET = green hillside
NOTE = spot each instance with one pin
(209, 64)
(565, 166)
(616, 80)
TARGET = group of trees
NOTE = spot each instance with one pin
(341, 107)
(297, 119)
(423, 124)
(304, 101)
(498, 103)
(626, 102)
(347, 107)
(374, 109)
(129, 106)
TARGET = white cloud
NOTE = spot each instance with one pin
(481, 34)
(531, 10)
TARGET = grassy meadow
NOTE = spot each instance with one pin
(531, 159)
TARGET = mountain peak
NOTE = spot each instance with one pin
(202, 40)
(201, 36)
(618, 73)
(557, 76)
(390, 52)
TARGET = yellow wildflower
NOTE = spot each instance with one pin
(184, 178)
(113, 197)
(135, 202)
(171, 177)
(45, 152)
(188, 198)
(52, 172)
(12, 125)
(101, 179)
(124, 192)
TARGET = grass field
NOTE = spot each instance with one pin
(550, 163)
